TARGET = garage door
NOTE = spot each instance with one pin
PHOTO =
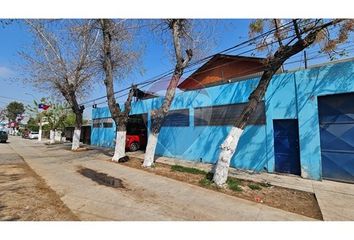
(336, 116)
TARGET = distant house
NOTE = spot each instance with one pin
(220, 69)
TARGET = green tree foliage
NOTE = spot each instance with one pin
(14, 109)
(32, 125)
(56, 117)
(70, 120)
(288, 30)
(34, 111)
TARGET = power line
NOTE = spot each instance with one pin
(318, 56)
(248, 70)
(14, 99)
(233, 48)
(261, 68)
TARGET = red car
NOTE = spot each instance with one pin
(135, 141)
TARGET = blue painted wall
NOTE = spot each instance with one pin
(289, 96)
(330, 79)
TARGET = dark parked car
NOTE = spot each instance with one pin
(3, 136)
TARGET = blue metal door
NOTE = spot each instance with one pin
(336, 117)
(286, 146)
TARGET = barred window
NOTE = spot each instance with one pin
(96, 123)
(227, 115)
(176, 118)
(107, 124)
(102, 122)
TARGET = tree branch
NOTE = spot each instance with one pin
(128, 102)
(296, 27)
(277, 32)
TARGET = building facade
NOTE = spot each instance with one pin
(304, 126)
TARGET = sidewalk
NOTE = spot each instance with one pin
(24, 196)
(146, 197)
(335, 199)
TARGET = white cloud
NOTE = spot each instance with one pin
(5, 72)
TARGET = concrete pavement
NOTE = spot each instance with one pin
(335, 199)
(146, 196)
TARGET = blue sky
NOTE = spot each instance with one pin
(155, 59)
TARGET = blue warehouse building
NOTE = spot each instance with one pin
(303, 126)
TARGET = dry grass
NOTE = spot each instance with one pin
(291, 200)
(26, 197)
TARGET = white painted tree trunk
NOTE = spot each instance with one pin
(40, 134)
(57, 136)
(52, 136)
(150, 150)
(76, 139)
(119, 150)
(227, 150)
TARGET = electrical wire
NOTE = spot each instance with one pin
(162, 75)
(200, 61)
(261, 68)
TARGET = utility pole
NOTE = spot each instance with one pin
(305, 59)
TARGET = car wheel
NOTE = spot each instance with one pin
(134, 147)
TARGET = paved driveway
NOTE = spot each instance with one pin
(146, 196)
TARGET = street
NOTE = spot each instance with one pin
(144, 196)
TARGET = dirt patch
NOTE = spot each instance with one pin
(101, 178)
(290, 200)
(26, 197)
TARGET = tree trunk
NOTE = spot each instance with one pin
(120, 118)
(76, 139)
(40, 130)
(150, 149)
(158, 116)
(70, 97)
(275, 62)
(52, 136)
(57, 136)
(227, 150)
(77, 132)
(176, 25)
(119, 150)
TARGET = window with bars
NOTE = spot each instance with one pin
(176, 118)
(107, 124)
(102, 123)
(227, 115)
(96, 125)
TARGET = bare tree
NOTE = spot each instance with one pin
(180, 29)
(116, 59)
(61, 61)
(2, 114)
(291, 40)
